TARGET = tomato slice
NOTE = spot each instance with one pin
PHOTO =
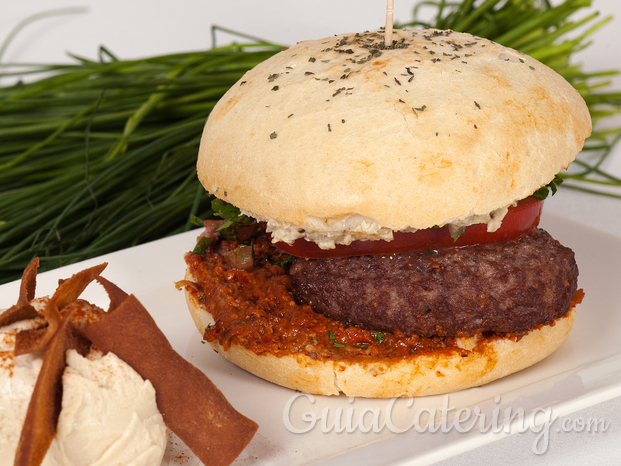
(519, 220)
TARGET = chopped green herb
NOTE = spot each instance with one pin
(197, 221)
(552, 186)
(282, 263)
(233, 218)
(338, 345)
(331, 335)
(202, 246)
(378, 336)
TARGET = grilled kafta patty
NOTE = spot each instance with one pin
(510, 286)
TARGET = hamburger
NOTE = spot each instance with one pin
(379, 213)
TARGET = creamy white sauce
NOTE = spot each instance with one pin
(109, 415)
(327, 233)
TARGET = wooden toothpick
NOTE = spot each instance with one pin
(388, 30)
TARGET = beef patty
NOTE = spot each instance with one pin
(510, 286)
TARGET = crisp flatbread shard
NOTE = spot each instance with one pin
(44, 408)
(55, 339)
(67, 292)
(23, 310)
(208, 425)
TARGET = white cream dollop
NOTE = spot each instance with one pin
(109, 414)
(108, 417)
(18, 376)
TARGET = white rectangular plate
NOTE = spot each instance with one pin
(586, 370)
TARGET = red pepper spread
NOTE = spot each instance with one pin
(255, 308)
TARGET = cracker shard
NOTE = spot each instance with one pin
(208, 425)
(22, 310)
(67, 292)
(39, 426)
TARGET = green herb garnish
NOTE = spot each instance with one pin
(338, 345)
(194, 220)
(233, 218)
(331, 335)
(378, 336)
(551, 187)
(202, 245)
(228, 212)
(282, 262)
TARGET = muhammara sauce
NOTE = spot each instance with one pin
(255, 309)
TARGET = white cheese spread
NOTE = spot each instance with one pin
(327, 233)
(109, 415)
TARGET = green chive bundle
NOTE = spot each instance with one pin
(100, 155)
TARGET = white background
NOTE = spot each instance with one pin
(136, 28)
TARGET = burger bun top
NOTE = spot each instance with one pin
(341, 138)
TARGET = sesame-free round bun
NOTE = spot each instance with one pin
(342, 139)
(340, 134)
(429, 374)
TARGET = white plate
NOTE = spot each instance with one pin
(586, 369)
